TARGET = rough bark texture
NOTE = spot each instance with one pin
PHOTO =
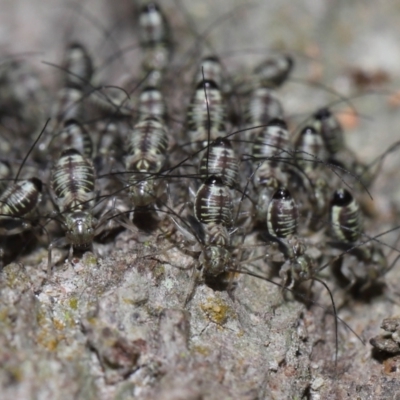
(115, 327)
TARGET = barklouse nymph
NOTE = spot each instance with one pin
(362, 265)
(18, 211)
(72, 136)
(220, 160)
(206, 115)
(79, 66)
(313, 174)
(213, 219)
(270, 150)
(271, 73)
(151, 103)
(263, 107)
(147, 155)
(74, 194)
(282, 222)
(156, 43)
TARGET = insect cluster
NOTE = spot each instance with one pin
(220, 169)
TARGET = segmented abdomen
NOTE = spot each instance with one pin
(213, 203)
(73, 181)
(21, 198)
(148, 145)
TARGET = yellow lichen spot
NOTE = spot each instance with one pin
(73, 303)
(218, 311)
(59, 325)
(128, 301)
(41, 318)
(159, 272)
(47, 341)
(90, 260)
(15, 374)
(202, 350)
(69, 319)
(3, 315)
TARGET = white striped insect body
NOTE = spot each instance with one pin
(330, 129)
(151, 104)
(263, 107)
(156, 43)
(282, 223)
(19, 213)
(147, 155)
(220, 161)
(270, 151)
(73, 136)
(363, 264)
(313, 175)
(78, 65)
(18, 206)
(74, 194)
(206, 115)
(213, 212)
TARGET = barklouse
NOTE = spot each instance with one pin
(78, 65)
(362, 264)
(220, 160)
(18, 211)
(206, 115)
(282, 223)
(212, 228)
(74, 194)
(147, 155)
(156, 43)
(270, 149)
(73, 136)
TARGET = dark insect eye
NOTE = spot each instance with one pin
(342, 198)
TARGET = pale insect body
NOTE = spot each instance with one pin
(73, 136)
(332, 133)
(365, 264)
(73, 191)
(18, 205)
(206, 115)
(147, 155)
(213, 203)
(78, 65)
(151, 103)
(330, 129)
(19, 214)
(270, 150)
(282, 226)
(155, 41)
(221, 161)
(69, 105)
(210, 69)
(271, 73)
(310, 156)
(274, 71)
(263, 107)
(213, 212)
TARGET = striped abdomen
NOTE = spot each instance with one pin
(345, 217)
(213, 203)
(282, 216)
(220, 160)
(272, 143)
(206, 115)
(73, 181)
(21, 198)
